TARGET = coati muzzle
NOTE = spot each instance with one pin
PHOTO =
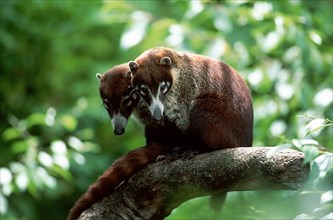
(119, 123)
(157, 114)
(156, 108)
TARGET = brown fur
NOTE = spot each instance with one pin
(116, 93)
(114, 87)
(208, 101)
(208, 106)
(117, 96)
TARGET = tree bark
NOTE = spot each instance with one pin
(157, 189)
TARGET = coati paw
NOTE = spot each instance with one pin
(189, 154)
(160, 158)
(175, 154)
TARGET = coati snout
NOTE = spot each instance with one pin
(119, 123)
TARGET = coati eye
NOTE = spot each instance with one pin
(164, 86)
(143, 90)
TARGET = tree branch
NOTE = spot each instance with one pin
(156, 190)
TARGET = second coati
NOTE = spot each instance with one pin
(120, 100)
(122, 169)
(207, 100)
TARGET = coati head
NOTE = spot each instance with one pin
(118, 96)
(152, 78)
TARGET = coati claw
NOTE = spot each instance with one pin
(189, 154)
(177, 153)
(160, 158)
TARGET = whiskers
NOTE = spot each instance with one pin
(105, 119)
(104, 114)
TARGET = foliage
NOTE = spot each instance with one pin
(56, 137)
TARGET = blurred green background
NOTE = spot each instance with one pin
(56, 138)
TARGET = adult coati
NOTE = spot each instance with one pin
(206, 99)
(120, 100)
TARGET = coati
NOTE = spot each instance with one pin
(120, 100)
(206, 99)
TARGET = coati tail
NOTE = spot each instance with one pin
(121, 170)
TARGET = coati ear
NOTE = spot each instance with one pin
(128, 74)
(133, 65)
(165, 61)
(99, 76)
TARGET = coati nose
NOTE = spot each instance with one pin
(118, 123)
(119, 130)
(157, 114)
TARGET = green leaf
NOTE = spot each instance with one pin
(69, 122)
(326, 197)
(310, 152)
(19, 147)
(325, 208)
(315, 125)
(303, 216)
(325, 164)
(35, 119)
(11, 133)
(3, 205)
(62, 172)
(278, 148)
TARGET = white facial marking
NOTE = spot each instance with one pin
(156, 102)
